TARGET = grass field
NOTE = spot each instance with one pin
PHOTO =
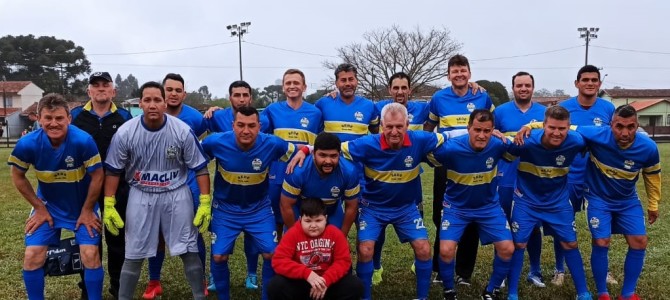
(398, 281)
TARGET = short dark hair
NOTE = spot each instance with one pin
(294, 71)
(152, 84)
(345, 67)
(52, 101)
(557, 112)
(522, 73)
(236, 84)
(173, 76)
(481, 115)
(625, 111)
(312, 207)
(458, 60)
(399, 75)
(327, 141)
(246, 111)
(588, 69)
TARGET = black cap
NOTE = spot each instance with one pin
(99, 75)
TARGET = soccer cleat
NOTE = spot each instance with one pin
(211, 287)
(449, 295)
(494, 295)
(251, 283)
(558, 279)
(377, 276)
(536, 280)
(604, 297)
(634, 297)
(610, 279)
(462, 280)
(512, 297)
(438, 278)
(154, 289)
(585, 296)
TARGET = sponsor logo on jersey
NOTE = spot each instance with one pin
(69, 162)
(628, 164)
(595, 222)
(489, 163)
(445, 225)
(362, 225)
(155, 179)
(171, 152)
(597, 121)
(560, 160)
(335, 191)
(304, 122)
(471, 107)
(359, 116)
(256, 164)
(409, 161)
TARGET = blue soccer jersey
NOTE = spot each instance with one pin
(222, 121)
(543, 173)
(449, 111)
(508, 120)
(62, 173)
(599, 114)
(348, 121)
(417, 112)
(612, 172)
(241, 181)
(391, 176)
(193, 118)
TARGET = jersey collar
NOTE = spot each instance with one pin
(405, 142)
(89, 106)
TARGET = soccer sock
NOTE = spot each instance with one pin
(632, 268)
(130, 274)
(515, 271)
(447, 274)
(576, 266)
(251, 254)
(424, 268)
(534, 249)
(194, 273)
(202, 252)
(268, 273)
(364, 272)
(377, 256)
(34, 281)
(156, 265)
(500, 272)
(558, 253)
(93, 278)
(599, 267)
(221, 274)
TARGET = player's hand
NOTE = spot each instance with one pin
(317, 294)
(332, 94)
(111, 217)
(652, 215)
(499, 135)
(317, 282)
(476, 88)
(521, 135)
(89, 219)
(297, 159)
(204, 214)
(210, 112)
(39, 216)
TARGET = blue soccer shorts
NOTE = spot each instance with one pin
(492, 224)
(525, 219)
(406, 221)
(259, 226)
(614, 217)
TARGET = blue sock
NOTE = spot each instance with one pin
(34, 281)
(155, 265)
(599, 267)
(423, 268)
(515, 271)
(221, 274)
(500, 272)
(576, 266)
(268, 273)
(447, 274)
(377, 256)
(202, 252)
(252, 255)
(632, 268)
(534, 249)
(558, 253)
(364, 272)
(94, 278)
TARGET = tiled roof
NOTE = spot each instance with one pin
(13, 86)
(10, 111)
(638, 93)
(643, 104)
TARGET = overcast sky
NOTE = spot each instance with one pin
(499, 37)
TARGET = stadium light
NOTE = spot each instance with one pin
(588, 34)
(239, 31)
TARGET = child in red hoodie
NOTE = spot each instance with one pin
(312, 260)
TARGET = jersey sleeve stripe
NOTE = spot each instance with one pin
(289, 153)
(350, 193)
(433, 118)
(612, 172)
(345, 151)
(653, 169)
(61, 176)
(472, 178)
(652, 184)
(393, 176)
(509, 156)
(243, 179)
(543, 171)
(440, 139)
(432, 160)
(95, 160)
(293, 191)
(13, 160)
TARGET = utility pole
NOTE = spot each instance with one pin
(588, 34)
(4, 105)
(239, 30)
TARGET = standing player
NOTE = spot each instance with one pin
(449, 109)
(509, 118)
(157, 150)
(243, 158)
(101, 118)
(69, 176)
(327, 177)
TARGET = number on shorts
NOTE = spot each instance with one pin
(274, 234)
(419, 223)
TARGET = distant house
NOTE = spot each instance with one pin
(652, 105)
(18, 95)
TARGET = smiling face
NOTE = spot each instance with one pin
(153, 106)
(313, 226)
(523, 89)
(394, 127)
(346, 83)
(588, 84)
(459, 76)
(293, 86)
(555, 132)
(399, 90)
(174, 93)
(54, 122)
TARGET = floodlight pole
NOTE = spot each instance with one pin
(588, 34)
(239, 30)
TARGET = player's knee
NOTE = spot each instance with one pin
(447, 253)
(569, 245)
(602, 242)
(365, 250)
(89, 256)
(520, 246)
(34, 258)
(505, 249)
(220, 258)
(637, 242)
(421, 249)
(267, 255)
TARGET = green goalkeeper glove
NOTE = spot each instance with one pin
(111, 217)
(204, 214)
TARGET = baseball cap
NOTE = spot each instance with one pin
(99, 75)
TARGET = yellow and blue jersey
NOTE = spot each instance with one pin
(348, 121)
(417, 112)
(62, 173)
(222, 121)
(449, 111)
(543, 173)
(508, 120)
(241, 181)
(391, 176)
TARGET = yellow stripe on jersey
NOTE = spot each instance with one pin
(432, 160)
(15, 160)
(415, 127)
(612, 172)
(433, 117)
(329, 201)
(653, 169)
(240, 178)
(291, 189)
(393, 176)
(472, 178)
(510, 133)
(543, 171)
(652, 184)
(295, 135)
(289, 152)
(73, 175)
(345, 127)
(440, 139)
(374, 122)
(454, 121)
(352, 192)
(93, 161)
(345, 151)
(509, 156)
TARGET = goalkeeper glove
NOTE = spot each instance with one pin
(204, 214)
(111, 217)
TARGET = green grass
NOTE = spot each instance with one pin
(398, 281)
